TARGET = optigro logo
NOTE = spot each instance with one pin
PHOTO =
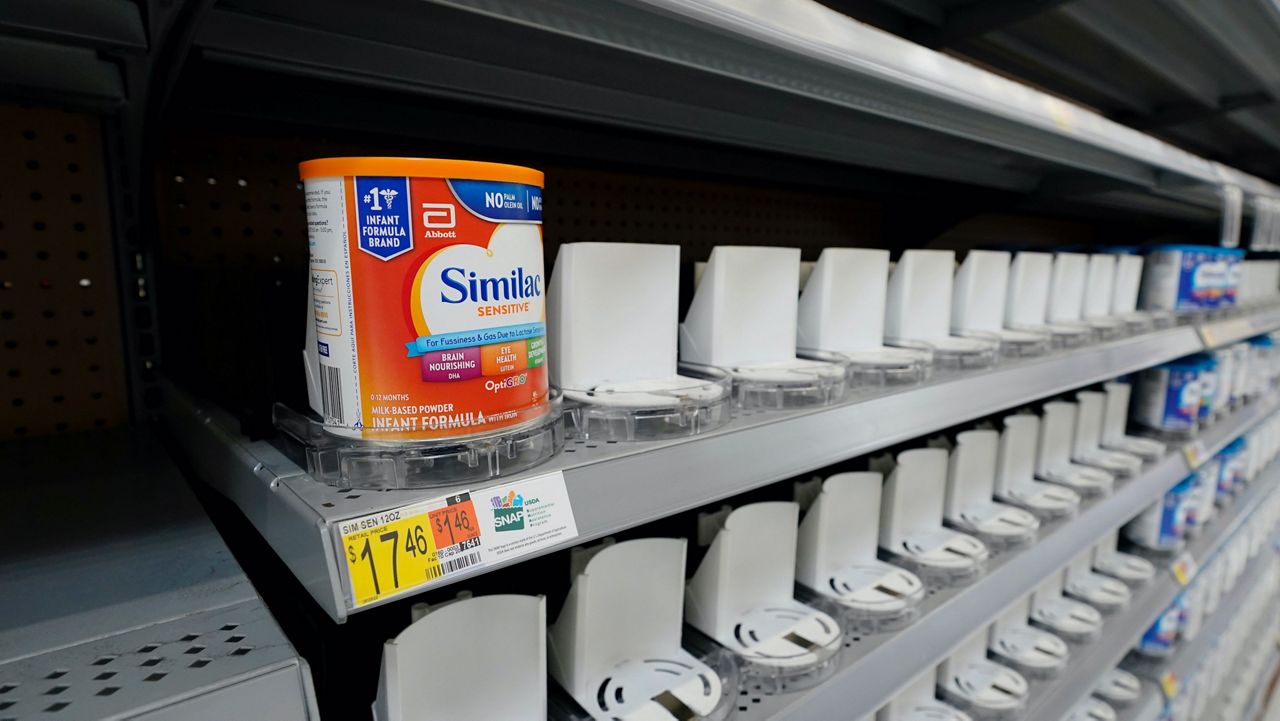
(512, 382)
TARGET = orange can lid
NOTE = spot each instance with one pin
(419, 168)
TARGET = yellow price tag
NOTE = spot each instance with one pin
(1184, 569)
(392, 552)
(1195, 454)
(1169, 683)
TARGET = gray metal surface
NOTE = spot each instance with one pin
(616, 486)
(1190, 654)
(120, 599)
(59, 74)
(99, 24)
(1201, 73)
(1263, 691)
(874, 669)
(1225, 332)
(713, 71)
(1054, 699)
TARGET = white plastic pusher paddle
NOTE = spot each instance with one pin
(836, 555)
(911, 521)
(918, 311)
(969, 503)
(842, 311)
(506, 636)
(742, 594)
(1015, 481)
(616, 645)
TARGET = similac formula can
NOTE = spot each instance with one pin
(1235, 269)
(1200, 500)
(428, 284)
(1239, 372)
(1167, 397)
(1231, 470)
(1208, 385)
(1182, 277)
(1159, 638)
(1223, 398)
(1162, 525)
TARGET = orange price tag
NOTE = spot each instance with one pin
(455, 523)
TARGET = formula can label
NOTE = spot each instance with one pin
(429, 304)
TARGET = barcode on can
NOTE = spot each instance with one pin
(331, 394)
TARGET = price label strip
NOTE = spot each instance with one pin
(410, 548)
(1185, 569)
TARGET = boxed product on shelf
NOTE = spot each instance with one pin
(1190, 277)
(1167, 397)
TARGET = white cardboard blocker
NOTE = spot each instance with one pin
(981, 286)
(1100, 281)
(1067, 287)
(1065, 617)
(972, 682)
(1102, 592)
(918, 305)
(1108, 559)
(1086, 446)
(969, 503)
(917, 702)
(1128, 281)
(836, 554)
(978, 304)
(618, 637)
(1027, 305)
(842, 307)
(918, 309)
(1034, 652)
(505, 635)
(612, 313)
(911, 516)
(1114, 421)
(744, 309)
(1053, 454)
(742, 594)
(1015, 480)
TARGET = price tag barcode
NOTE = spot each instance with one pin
(392, 552)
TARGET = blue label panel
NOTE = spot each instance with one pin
(382, 216)
(1182, 399)
(499, 202)
(484, 336)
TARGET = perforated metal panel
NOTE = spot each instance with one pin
(61, 362)
(160, 671)
(236, 202)
(696, 215)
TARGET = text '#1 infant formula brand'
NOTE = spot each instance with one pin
(428, 287)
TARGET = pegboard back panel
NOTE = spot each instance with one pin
(698, 215)
(236, 202)
(61, 351)
(233, 248)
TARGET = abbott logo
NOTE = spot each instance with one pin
(438, 215)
